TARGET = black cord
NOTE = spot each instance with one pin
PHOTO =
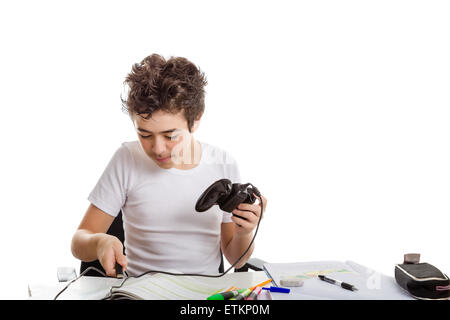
(176, 274)
(81, 274)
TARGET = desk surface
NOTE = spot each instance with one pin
(95, 288)
(372, 285)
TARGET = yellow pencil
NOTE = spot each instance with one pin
(262, 284)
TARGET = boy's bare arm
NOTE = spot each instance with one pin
(237, 236)
(90, 241)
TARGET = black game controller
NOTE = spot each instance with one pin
(227, 196)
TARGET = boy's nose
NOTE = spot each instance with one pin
(159, 147)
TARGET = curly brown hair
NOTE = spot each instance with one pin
(173, 85)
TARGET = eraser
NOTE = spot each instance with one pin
(291, 282)
(66, 274)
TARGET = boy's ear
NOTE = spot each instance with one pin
(196, 124)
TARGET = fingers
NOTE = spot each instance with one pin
(122, 260)
(246, 220)
(112, 256)
(255, 208)
(246, 215)
(109, 264)
(121, 266)
(119, 259)
(248, 226)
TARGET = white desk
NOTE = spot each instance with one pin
(95, 288)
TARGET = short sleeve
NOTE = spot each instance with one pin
(233, 174)
(110, 192)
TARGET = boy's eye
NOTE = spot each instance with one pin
(167, 137)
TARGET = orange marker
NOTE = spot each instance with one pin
(262, 284)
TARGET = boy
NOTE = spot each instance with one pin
(157, 180)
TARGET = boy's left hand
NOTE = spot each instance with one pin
(250, 215)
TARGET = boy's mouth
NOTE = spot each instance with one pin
(163, 159)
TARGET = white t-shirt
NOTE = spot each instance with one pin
(162, 229)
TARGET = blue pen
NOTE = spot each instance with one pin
(278, 289)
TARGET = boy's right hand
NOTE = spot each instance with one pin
(110, 251)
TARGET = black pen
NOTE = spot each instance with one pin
(338, 283)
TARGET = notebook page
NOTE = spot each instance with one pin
(166, 287)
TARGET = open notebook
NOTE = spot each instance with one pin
(166, 287)
(371, 285)
(159, 286)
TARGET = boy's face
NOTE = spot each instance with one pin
(164, 137)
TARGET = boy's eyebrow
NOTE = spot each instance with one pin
(167, 131)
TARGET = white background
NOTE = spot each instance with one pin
(338, 111)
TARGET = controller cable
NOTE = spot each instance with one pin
(108, 297)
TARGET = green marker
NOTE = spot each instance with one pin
(225, 295)
(242, 295)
